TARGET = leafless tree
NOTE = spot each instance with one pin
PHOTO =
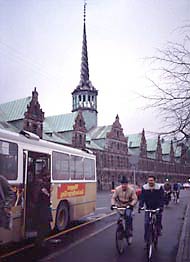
(172, 91)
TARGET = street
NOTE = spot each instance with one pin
(99, 244)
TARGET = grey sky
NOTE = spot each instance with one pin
(41, 42)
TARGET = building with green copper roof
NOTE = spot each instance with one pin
(115, 151)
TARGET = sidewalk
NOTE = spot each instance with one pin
(183, 254)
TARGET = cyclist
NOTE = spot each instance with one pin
(123, 196)
(176, 190)
(152, 196)
(167, 193)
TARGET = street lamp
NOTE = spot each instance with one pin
(133, 160)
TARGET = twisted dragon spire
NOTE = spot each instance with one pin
(84, 76)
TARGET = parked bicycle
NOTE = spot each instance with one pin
(122, 232)
(152, 236)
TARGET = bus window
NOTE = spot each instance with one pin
(89, 169)
(9, 160)
(76, 167)
(60, 166)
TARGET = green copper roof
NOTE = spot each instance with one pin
(60, 123)
(99, 132)
(55, 138)
(134, 140)
(93, 145)
(15, 110)
(177, 151)
(4, 124)
(166, 147)
(151, 144)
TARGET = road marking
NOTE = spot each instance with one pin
(14, 252)
(56, 254)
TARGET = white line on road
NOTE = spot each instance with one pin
(58, 253)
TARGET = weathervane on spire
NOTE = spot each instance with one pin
(85, 3)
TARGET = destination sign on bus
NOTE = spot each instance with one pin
(70, 190)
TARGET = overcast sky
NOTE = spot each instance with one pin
(41, 43)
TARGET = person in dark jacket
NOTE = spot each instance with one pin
(152, 196)
(167, 193)
(42, 209)
(7, 199)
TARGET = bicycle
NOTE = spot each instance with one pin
(152, 234)
(176, 196)
(167, 198)
(122, 232)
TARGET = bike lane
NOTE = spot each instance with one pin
(100, 245)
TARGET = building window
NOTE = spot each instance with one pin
(80, 139)
(35, 128)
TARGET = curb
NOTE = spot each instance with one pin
(183, 253)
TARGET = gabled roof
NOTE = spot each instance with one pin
(99, 132)
(60, 123)
(134, 140)
(15, 110)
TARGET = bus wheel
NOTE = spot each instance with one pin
(62, 216)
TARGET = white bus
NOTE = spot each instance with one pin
(73, 181)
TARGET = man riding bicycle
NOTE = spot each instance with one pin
(167, 193)
(153, 197)
(123, 196)
(176, 190)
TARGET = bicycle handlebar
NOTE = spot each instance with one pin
(121, 208)
(152, 210)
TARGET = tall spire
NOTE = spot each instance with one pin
(84, 76)
(85, 95)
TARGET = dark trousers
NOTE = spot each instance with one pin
(129, 222)
(146, 223)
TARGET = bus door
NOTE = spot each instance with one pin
(36, 166)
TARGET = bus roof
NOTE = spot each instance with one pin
(30, 138)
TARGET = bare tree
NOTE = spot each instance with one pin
(172, 90)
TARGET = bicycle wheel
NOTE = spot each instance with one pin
(155, 236)
(120, 239)
(149, 245)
